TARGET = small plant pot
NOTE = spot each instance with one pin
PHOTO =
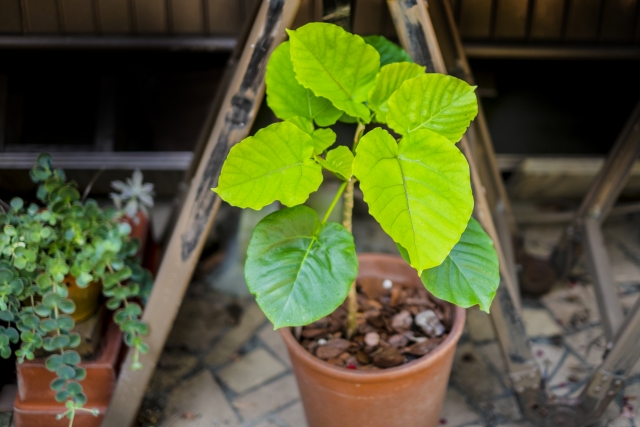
(139, 229)
(410, 395)
(35, 404)
(86, 299)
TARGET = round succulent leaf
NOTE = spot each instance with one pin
(287, 98)
(335, 64)
(389, 52)
(299, 269)
(81, 399)
(419, 191)
(5, 352)
(388, 81)
(57, 384)
(60, 341)
(53, 362)
(80, 374)
(66, 323)
(444, 104)
(6, 275)
(12, 334)
(51, 299)
(48, 325)
(62, 395)
(339, 161)
(275, 164)
(71, 357)
(74, 340)
(6, 315)
(470, 274)
(74, 388)
(66, 372)
(16, 203)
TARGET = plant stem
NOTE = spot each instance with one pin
(333, 203)
(347, 216)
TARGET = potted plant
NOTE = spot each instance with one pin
(133, 199)
(416, 183)
(53, 258)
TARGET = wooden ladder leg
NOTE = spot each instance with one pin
(238, 110)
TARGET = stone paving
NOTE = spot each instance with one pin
(224, 366)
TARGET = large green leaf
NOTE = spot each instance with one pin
(339, 161)
(336, 65)
(387, 82)
(418, 190)
(443, 104)
(470, 274)
(299, 269)
(287, 98)
(275, 164)
(389, 51)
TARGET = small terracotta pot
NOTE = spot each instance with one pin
(139, 229)
(409, 395)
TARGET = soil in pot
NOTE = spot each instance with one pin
(390, 384)
(397, 323)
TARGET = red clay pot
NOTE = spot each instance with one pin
(410, 395)
(139, 229)
(35, 404)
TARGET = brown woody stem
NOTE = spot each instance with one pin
(347, 216)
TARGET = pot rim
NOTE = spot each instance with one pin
(406, 369)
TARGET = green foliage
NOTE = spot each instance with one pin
(447, 111)
(470, 274)
(40, 248)
(417, 187)
(275, 164)
(387, 82)
(299, 269)
(389, 52)
(288, 98)
(336, 65)
(418, 190)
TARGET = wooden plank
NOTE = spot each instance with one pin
(618, 20)
(368, 17)
(78, 16)
(187, 16)
(11, 17)
(237, 113)
(115, 16)
(511, 19)
(225, 17)
(546, 23)
(475, 18)
(582, 22)
(42, 16)
(151, 16)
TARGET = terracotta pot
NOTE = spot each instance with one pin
(86, 299)
(409, 395)
(35, 404)
(139, 230)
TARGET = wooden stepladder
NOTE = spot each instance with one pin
(431, 38)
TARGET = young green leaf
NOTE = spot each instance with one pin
(419, 191)
(470, 274)
(322, 138)
(339, 161)
(287, 98)
(336, 65)
(387, 82)
(444, 104)
(389, 51)
(299, 269)
(275, 164)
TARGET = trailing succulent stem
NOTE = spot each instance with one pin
(45, 249)
(413, 178)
